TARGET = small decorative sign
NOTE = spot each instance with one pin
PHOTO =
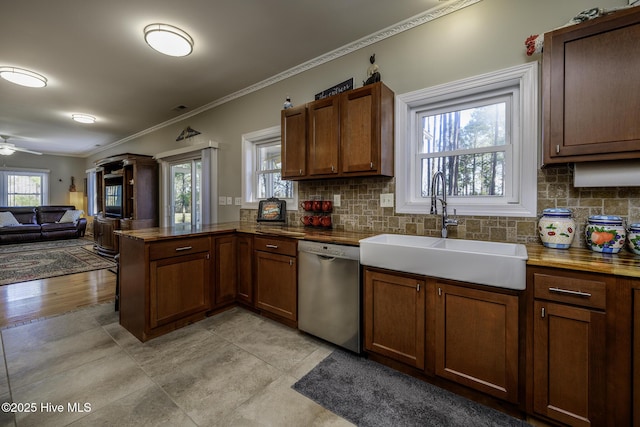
(339, 88)
(272, 210)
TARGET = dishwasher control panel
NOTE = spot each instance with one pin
(329, 249)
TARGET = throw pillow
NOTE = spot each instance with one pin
(71, 215)
(8, 220)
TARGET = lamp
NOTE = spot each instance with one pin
(83, 118)
(6, 151)
(168, 39)
(23, 77)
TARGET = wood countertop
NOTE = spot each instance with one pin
(623, 263)
(318, 235)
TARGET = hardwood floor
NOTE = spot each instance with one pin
(26, 301)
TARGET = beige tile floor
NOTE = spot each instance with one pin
(232, 369)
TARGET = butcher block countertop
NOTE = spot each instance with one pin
(315, 234)
(623, 263)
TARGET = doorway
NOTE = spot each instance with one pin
(186, 194)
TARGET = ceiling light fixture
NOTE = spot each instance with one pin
(83, 118)
(23, 77)
(168, 39)
(6, 151)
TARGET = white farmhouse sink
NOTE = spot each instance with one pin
(488, 263)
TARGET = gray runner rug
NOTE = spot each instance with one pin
(367, 393)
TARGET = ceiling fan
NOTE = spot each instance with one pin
(7, 149)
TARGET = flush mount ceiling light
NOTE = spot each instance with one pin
(23, 77)
(168, 39)
(83, 118)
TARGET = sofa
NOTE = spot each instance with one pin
(35, 223)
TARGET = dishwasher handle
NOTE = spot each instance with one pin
(331, 256)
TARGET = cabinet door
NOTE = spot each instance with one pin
(225, 280)
(276, 284)
(245, 269)
(590, 92)
(569, 364)
(323, 136)
(359, 130)
(477, 339)
(179, 286)
(636, 357)
(394, 316)
(294, 142)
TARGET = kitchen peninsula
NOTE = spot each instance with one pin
(577, 310)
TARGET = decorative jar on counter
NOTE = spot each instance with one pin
(605, 233)
(633, 238)
(556, 228)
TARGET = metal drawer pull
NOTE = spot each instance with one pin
(272, 246)
(566, 291)
(184, 248)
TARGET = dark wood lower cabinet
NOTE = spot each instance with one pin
(636, 357)
(394, 316)
(226, 278)
(179, 287)
(569, 368)
(164, 285)
(476, 339)
(245, 269)
(276, 277)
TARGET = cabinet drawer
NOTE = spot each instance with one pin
(178, 247)
(275, 245)
(572, 290)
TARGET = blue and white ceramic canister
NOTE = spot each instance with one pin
(556, 228)
(633, 238)
(605, 233)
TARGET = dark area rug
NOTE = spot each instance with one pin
(49, 262)
(370, 394)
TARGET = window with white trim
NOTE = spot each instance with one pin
(261, 170)
(24, 187)
(482, 133)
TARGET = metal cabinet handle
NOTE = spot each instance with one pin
(569, 292)
(184, 248)
(272, 246)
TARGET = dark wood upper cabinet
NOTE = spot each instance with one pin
(346, 135)
(293, 124)
(591, 90)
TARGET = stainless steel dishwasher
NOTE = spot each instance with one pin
(329, 293)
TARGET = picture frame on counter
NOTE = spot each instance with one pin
(272, 210)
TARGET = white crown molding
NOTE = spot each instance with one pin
(391, 31)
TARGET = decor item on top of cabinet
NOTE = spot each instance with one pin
(535, 42)
(287, 103)
(605, 233)
(556, 228)
(334, 90)
(633, 238)
(373, 75)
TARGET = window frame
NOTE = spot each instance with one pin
(522, 82)
(250, 142)
(4, 177)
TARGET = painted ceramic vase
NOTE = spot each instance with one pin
(633, 238)
(556, 228)
(605, 233)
